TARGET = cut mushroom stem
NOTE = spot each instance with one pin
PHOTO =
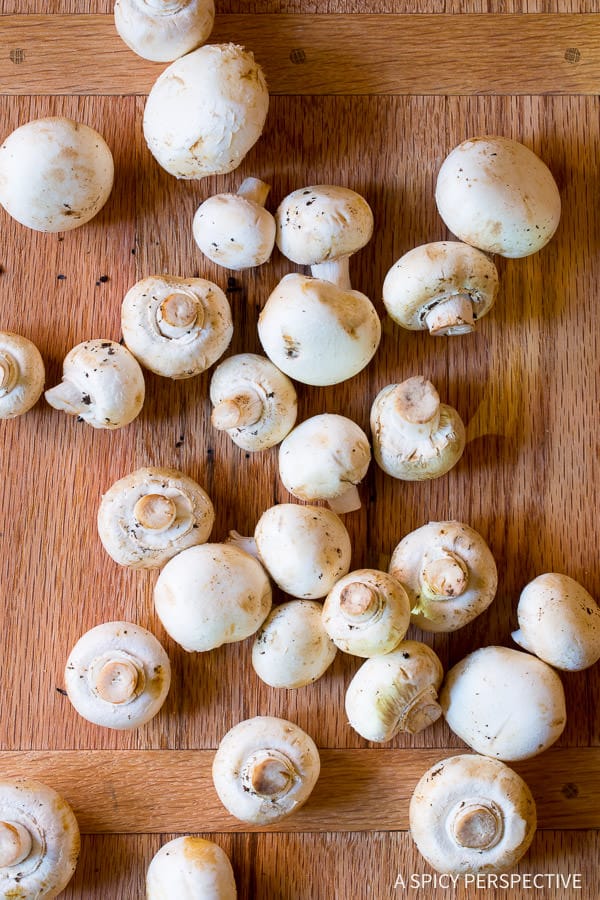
(116, 678)
(452, 315)
(417, 403)
(15, 843)
(421, 712)
(177, 313)
(347, 502)
(67, 397)
(254, 189)
(244, 409)
(445, 576)
(477, 825)
(359, 602)
(9, 373)
(155, 511)
(269, 774)
(335, 270)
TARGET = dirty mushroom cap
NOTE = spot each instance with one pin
(21, 375)
(164, 30)
(189, 868)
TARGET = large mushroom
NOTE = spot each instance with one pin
(22, 375)
(164, 30)
(190, 868)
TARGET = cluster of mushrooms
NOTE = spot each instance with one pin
(469, 813)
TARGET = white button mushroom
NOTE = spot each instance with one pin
(264, 769)
(151, 514)
(235, 230)
(253, 401)
(367, 613)
(305, 549)
(190, 868)
(496, 194)
(206, 111)
(164, 30)
(102, 385)
(324, 458)
(118, 675)
(55, 174)
(442, 287)
(211, 595)
(472, 814)
(448, 572)
(292, 648)
(22, 375)
(415, 437)
(395, 692)
(504, 703)
(176, 327)
(39, 841)
(559, 622)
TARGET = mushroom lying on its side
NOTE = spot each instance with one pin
(22, 375)
(190, 868)
(164, 30)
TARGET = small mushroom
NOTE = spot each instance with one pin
(415, 437)
(448, 572)
(292, 648)
(235, 230)
(444, 288)
(118, 675)
(471, 814)
(253, 401)
(504, 703)
(559, 622)
(39, 840)
(102, 385)
(211, 595)
(164, 30)
(264, 769)
(55, 174)
(21, 375)
(324, 458)
(496, 194)
(367, 613)
(395, 692)
(189, 868)
(176, 327)
(148, 516)
(206, 111)
(305, 549)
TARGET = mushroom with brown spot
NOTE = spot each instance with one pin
(189, 868)
(164, 30)
(22, 375)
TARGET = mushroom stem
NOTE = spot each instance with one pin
(421, 712)
(268, 773)
(477, 825)
(348, 501)
(359, 602)
(15, 843)
(243, 542)
(254, 189)
(452, 315)
(178, 313)
(155, 512)
(9, 372)
(445, 576)
(335, 270)
(243, 409)
(116, 679)
(67, 397)
(417, 403)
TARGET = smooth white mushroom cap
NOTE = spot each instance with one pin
(118, 675)
(151, 514)
(559, 622)
(45, 840)
(176, 327)
(305, 549)
(206, 111)
(264, 769)
(102, 384)
(317, 332)
(163, 30)
(22, 374)
(211, 595)
(189, 868)
(395, 692)
(448, 572)
(366, 613)
(496, 194)
(55, 174)
(471, 814)
(504, 703)
(292, 648)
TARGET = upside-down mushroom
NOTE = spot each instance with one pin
(163, 30)
(22, 375)
(190, 868)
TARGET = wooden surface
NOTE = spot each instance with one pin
(526, 384)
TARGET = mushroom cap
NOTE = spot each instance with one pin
(185, 346)
(264, 769)
(206, 111)
(118, 675)
(190, 868)
(211, 595)
(54, 833)
(186, 519)
(448, 572)
(366, 613)
(559, 622)
(432, 273)
(504, 703)
(234, 232)
(163, 30)
(55, 174)
(472, 814)
(496, 194)
(316, 332)
(292, 648)
(305, 549)
(395, 692)
(322, 222)
(22, 366)
(322, 456)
